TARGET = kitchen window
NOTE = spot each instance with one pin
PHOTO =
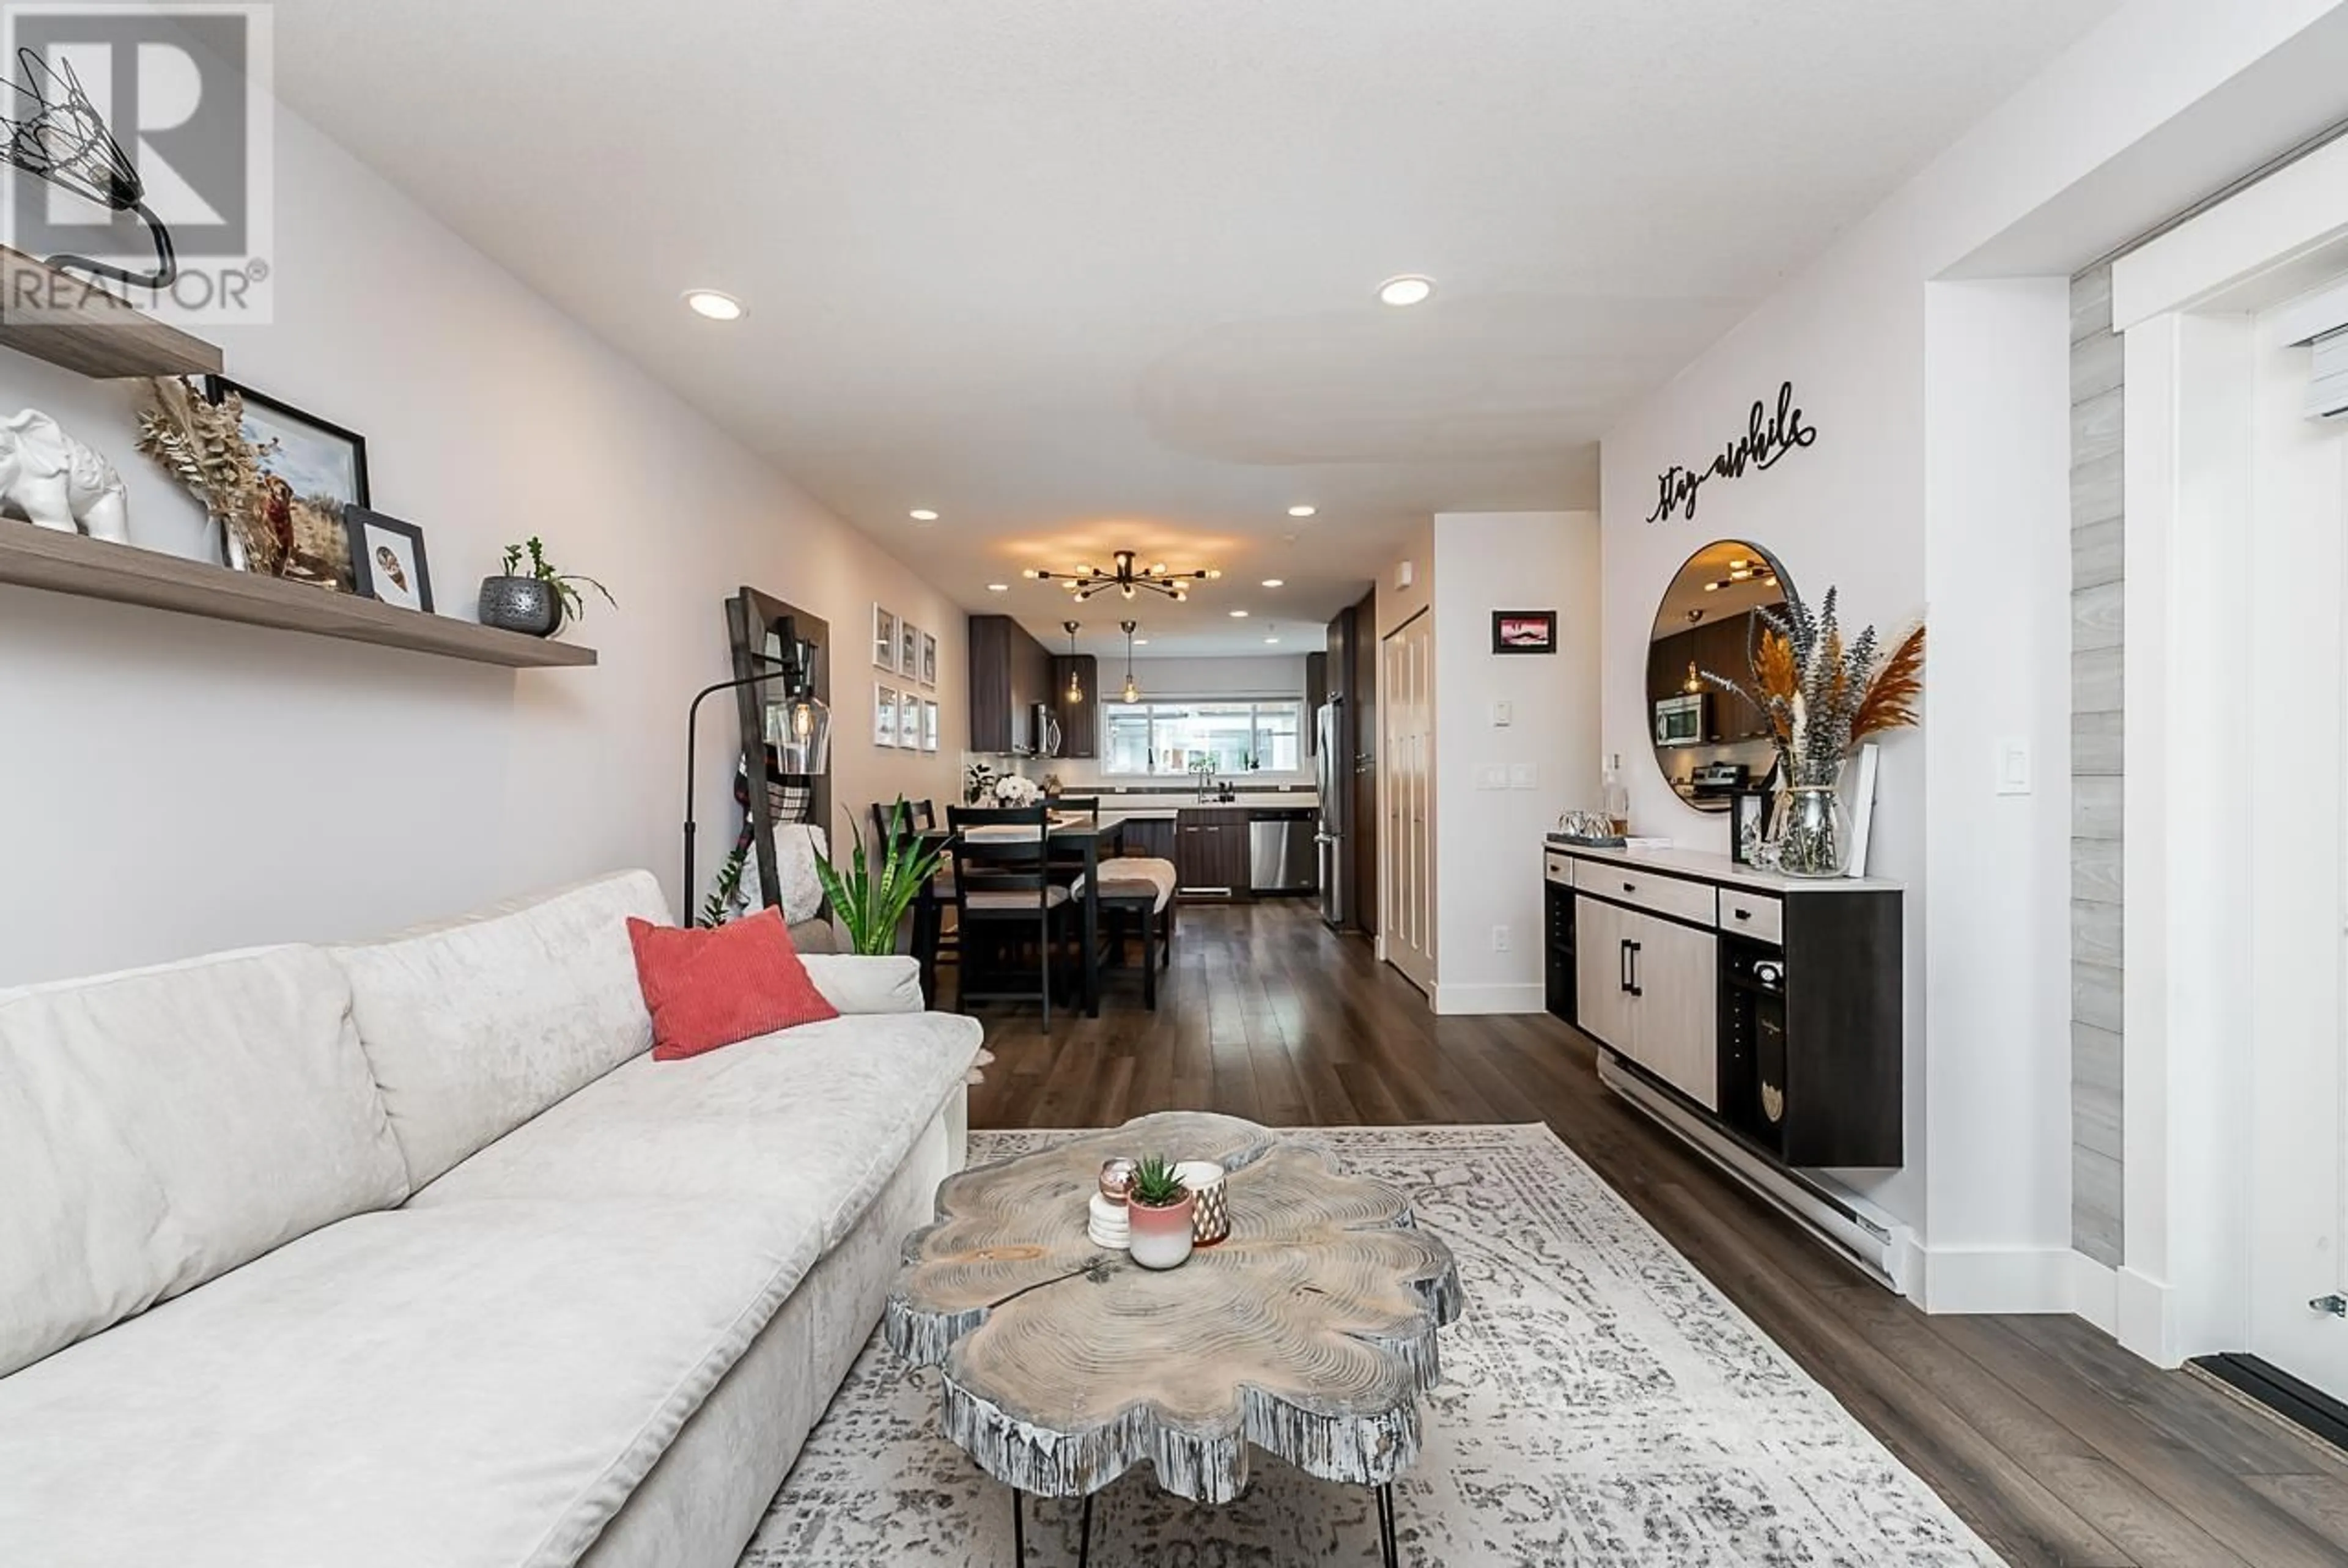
(1225, 737)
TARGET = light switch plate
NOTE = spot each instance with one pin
(2014, 772)
(1503, 715)
(1492, 777)
(1524, 776)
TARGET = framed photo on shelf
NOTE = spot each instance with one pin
(884, 640)
(930, 661)
(929, 725)
(1524, 631)
(311, 469)
(1862, 804)
(884, 715)
(1748, 824)
(387, 561)
(909, 651)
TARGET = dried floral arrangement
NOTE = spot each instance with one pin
(204, 446)
(1823, 697)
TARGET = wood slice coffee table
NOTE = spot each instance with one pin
(1310, 1333)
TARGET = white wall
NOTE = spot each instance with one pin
(1916, 500)
(176, 785)
(1488, 841)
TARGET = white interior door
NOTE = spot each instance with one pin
(1407, 697)
(2296, 828)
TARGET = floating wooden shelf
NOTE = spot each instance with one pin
(70, 322)
(93, 569)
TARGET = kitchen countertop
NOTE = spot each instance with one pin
(1166, 811)
(1722, 869)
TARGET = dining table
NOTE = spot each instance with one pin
(1078, 846)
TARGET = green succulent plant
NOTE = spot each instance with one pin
(1155, 1184)
(870, 898)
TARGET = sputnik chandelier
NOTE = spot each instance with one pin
(1126, 579)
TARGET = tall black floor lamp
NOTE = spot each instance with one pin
(807, 733)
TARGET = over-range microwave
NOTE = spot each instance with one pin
(1680, 720)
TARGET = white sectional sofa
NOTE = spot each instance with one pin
(409, 1254)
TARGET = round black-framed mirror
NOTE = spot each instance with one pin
(1710, 743)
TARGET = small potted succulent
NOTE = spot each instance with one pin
(1158, 1209)
(533, 596)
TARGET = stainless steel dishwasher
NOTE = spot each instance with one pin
(1284, 854)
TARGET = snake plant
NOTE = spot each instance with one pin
(870, 899)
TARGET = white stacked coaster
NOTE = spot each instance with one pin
(1108, 1225)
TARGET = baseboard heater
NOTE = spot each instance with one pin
(1867, 1243)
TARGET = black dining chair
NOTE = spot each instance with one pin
(1004, 893)
(1135, 890)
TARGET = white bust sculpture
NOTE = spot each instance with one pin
(57, 482)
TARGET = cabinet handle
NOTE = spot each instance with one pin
(1744, 914)
(1630, 888)
(1636, 990)
(1622, 965)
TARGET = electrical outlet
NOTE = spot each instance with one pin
(2013, 766)
(1502, 939)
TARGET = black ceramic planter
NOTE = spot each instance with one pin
(525, 604)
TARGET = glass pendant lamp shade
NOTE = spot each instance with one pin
(1075, 682)
(799, 730)
(1132, 687)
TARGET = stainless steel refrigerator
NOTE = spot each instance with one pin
(1336, 781)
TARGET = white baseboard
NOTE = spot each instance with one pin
(2143, 1320)
(2095, 1293)
(1458, 1000)
(1996, 1280)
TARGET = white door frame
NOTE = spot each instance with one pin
(2201, 799)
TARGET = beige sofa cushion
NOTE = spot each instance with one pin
(814, 1119)
(161, 1127)
(475, 1027)
(477, 1386)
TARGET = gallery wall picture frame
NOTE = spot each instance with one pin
(884, 640)
(1524, 631)
(909, 720)
(908, 649)
(387, 560)
(929, 660)
(929, 725)
(884, 715)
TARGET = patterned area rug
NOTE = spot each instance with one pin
(1605, 1405)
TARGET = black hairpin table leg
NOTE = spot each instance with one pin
(1390, 1550)
(1018, 1529)
(1085, 1535)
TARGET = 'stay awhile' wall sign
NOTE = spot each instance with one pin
(1767, 440)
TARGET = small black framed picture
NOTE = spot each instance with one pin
(1748, 824)
(311, 468)
(387, 561)
(1524, 631)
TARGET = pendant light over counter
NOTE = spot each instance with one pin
(1132, 689)
(1075, 681)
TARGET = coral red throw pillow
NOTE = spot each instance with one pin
(708, 988)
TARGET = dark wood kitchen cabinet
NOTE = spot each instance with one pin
(1152, 837)
(1210, 850)
(1079, 717)
(1010, 672)
(1316, 692)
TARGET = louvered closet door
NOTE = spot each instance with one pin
(1407, 701)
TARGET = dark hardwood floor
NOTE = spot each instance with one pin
(2057, 1446)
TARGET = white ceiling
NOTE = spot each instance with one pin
(1085, 273)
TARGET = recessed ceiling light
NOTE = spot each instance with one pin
(922, 514)
(1272, 640)
(715, 305)
(1275, 582)
(1302, 511)
(1410, 289)
(1239, 615)
(998, 588)
(1141, 643)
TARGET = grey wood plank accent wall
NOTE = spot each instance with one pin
(2096, 784)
